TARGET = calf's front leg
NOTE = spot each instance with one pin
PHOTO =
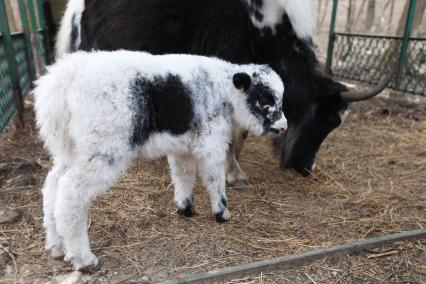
(212, 173)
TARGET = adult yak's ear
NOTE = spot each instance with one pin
(242, 81)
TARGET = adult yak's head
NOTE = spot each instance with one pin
(314, 104)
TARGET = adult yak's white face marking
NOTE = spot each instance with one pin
(269, 13)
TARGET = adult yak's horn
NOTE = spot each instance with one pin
(356, 96)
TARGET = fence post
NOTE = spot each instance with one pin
(27, 40)
(406, 39)
(44, 29)
(11, 61)
(331, 37)
(34, 28)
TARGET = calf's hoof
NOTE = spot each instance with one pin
(223, 216)
(57, 253)
(187, 211)
(85, 263)
(91, 269)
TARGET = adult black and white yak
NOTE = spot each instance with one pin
(273, 32)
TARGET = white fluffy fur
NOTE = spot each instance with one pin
(300, 12)
(74, 9)
(84, 113)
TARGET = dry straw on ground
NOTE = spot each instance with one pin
(370, 181)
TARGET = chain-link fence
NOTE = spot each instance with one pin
(368, 58)
(22, 56)
(413, 75)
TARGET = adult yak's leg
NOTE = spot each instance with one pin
(235, 176)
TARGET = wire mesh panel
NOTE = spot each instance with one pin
(7, 107)
(413, 76)
(22, 57)
(369, 58)
(21, 60)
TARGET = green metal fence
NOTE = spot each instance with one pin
(7, 108)
(23, 57)
(22, 63)
(368, 58)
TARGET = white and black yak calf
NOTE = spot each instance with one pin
(98, 111)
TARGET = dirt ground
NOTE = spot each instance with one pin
(370, 180)
(400, 263)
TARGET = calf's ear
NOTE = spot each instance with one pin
(242, 81)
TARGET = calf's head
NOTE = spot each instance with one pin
(263, 94)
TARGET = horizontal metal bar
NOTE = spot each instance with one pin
(255, 268)
(368, 35)
(16, 34)
(377, 36)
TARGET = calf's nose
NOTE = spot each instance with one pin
(281, 124)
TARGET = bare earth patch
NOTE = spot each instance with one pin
(370, 180)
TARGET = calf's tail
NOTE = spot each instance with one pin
(53, 116)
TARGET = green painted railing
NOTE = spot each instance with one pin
(22, 63)
(369, 58)
(23, 57)
(7, 106)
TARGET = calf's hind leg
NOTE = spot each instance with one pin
(50, 188)
(81, 183)
(183, 170)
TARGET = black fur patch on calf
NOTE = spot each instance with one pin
(258, 97)
(110, 159)
(224, 202)
(162, 104)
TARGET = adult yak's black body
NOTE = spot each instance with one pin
(275, 32)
